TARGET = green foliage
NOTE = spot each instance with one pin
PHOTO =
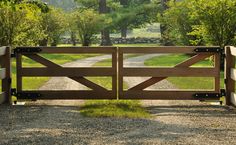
(19, 24)
(54, 25)
(89, 23)
(192, 22)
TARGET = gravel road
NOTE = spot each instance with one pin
(173, 122)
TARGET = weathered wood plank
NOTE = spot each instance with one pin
(230, 83)
(170, 72)
(6, 82)
(163, 95)
(217, 67)
(233, 74)
(69, 95)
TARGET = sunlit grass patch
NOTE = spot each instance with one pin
(114, 108)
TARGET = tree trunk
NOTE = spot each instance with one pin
(163, 28)
(124, 3)
(105, 34)
(43, 42)
(73, 38)
(124, 32)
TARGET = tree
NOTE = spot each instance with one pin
(54, 24)
(89, 23)
(19, 23)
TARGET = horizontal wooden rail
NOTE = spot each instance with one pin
(162, 49)
(68, 95)
(164, 95)
(170, 72)
(71, 50)
(69, 72)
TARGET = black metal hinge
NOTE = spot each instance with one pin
(210, 49)
(217, 96)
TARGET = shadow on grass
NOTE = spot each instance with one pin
(64, 125)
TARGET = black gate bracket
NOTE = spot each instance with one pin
(25, 95)
(25, 50)
(211, 49)
(217, 96)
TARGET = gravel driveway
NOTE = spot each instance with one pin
(173, 122)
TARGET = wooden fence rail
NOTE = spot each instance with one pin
(230, 75)
(5, 75)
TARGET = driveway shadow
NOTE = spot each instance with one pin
(65, 125)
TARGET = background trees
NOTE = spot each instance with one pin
(201, 22)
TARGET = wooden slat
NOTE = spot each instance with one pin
(2, 97)
(74, 50)
(68, 95)
(2, 50)
(233, 50)
(217, 67)
(186, 63)
(170, 72)
(81, 80)
(6, 82)
(230, 84)
(162, 49)
(233, 74)
(114, 77)
(63, 72)
(233, 99)
(120, 68)
(19, 72)
(2, 73)
(163, 95)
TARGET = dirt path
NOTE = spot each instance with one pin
(172, 123)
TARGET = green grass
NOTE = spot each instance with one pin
(185, 82)
(112, 108)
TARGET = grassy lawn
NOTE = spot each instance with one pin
(185, 82)
(112, 108)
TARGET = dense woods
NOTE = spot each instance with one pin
(185, 22)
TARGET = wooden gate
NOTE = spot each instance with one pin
(118, 72)
(181, 70)
(77, 74)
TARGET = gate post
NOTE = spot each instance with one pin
(229, 74)
(6, 80)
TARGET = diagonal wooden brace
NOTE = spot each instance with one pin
(196, 58)
(81, 80)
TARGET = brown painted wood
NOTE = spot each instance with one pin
(19, 72)
(75, 50)
(114, 77)
(161, 49)
(170, 72)
(230, 84)
(81, 80)
(120, 71)
(70, 72)
(163, 95)
(186, 63)
(68, 95)
(217, 68)
(6, 82)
